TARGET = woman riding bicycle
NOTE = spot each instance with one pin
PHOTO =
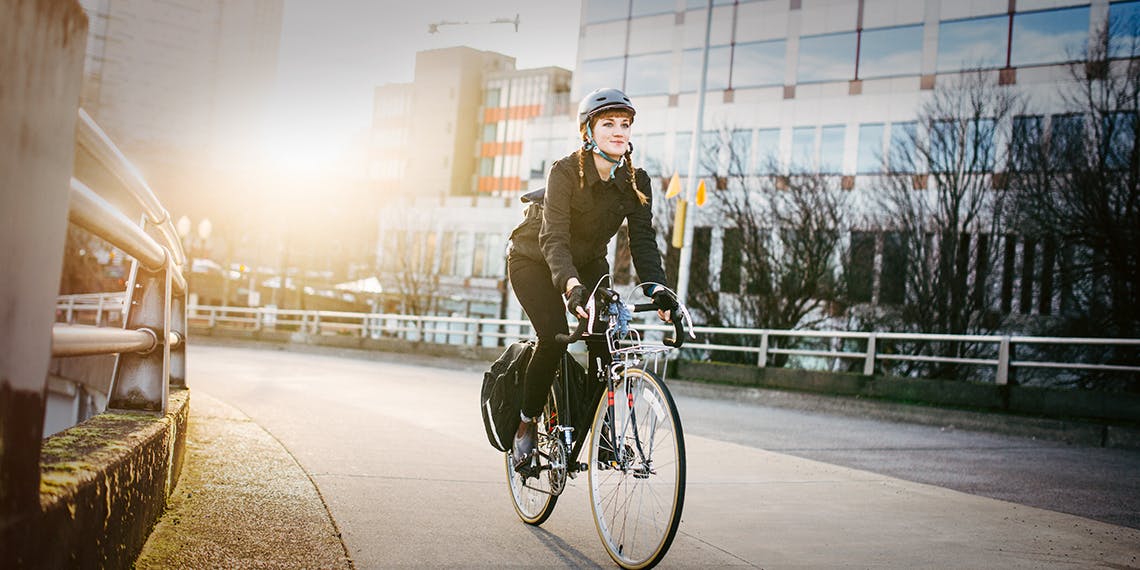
(557, 259)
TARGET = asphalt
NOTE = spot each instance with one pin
(243, 501)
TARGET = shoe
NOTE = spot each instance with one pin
(522, 450)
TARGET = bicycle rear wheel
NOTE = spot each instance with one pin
(637, 470)
(534, 497)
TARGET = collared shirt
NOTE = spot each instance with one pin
(578, 223)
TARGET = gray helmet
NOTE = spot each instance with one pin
(600, 100)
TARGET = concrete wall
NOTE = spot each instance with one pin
(104, 485)
(41, 70)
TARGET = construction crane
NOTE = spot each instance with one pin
(433, 28)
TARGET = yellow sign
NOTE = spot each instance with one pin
(701, 193)
(679, 225)
(674, 186)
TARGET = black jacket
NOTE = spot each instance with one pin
(574, 225)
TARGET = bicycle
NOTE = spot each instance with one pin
(636, 451)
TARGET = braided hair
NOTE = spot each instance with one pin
(582, 152)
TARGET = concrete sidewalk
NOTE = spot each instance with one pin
(242, 502)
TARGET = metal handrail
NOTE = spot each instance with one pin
(91, 137)
(86, 340)
(314, 322)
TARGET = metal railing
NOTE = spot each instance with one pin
(145, 326)
(868, 350)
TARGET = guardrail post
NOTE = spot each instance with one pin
(478, 332)
(869, 361)
(1003, 362)
(762, 358)
(140, 379)
(316, 327)
(213, 318)
(178, 327)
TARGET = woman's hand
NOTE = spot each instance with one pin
(576, 299)
(666, 304)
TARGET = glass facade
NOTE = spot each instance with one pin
(890, 52)
(966, 44)
(831, 149)
(739, 157)
(767, 151)
(648, 74)
(1053, 36)
(870, 152)
(903, 138)
(606, 10)
(607, 71)
(720, 57)
(759, 64)
(1124, 29)
(651, 7)
(803, 148)
(1025, 138)
(826, 58)
(649, 153)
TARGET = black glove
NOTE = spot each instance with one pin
(577, 297)
(664, 300)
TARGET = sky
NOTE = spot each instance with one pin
(334, 53)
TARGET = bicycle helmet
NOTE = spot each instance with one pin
(600, 100)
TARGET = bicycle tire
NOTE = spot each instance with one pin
(637, 495)
(533, 498)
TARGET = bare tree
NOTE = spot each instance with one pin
(1079, 194)
(407, 264)
(941, 206)
(781, 248)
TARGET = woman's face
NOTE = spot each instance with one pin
(612, 134)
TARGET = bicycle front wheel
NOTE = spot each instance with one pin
(637, 470)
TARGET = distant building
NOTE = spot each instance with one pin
(182, 86)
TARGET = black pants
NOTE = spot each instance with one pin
(534, 287)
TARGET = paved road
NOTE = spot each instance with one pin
(398, 452)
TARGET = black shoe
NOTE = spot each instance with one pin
(523, 448)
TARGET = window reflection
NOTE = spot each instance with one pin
(826, 58)
(831, 149)
(803, 148)
(965, 44)
(649, 7)
(648, 74)
(739, 157)
(1049, 37)
(719, 60)
(1124, 29)
(1025, 140)
(606, 10)
(649, 153)
(681, 142)
(890, 52)
(595, 73)
(759, 64)
(767, 151)
(870, 153)
(902, 156)
(692, 4)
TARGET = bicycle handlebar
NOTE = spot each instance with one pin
(607, 296)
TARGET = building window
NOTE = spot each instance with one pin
(1124, 29)
(739, 155)
(650, 7)
(479, 259)
(489, 132)
(1025, 140)
(491, 98)
(651, 154)
(648, 74)
(447, 254)
(902, 155)
(1053, 36)
(699, 263)
(974, 43)
(539, 152)
(694, 4)
(486, 166)
(1119, 130)
(870, 154)
(719, 60)
(606, 10)
(594, 73)
(730, 260)
(950, 153)
(826, 58)
(831, 149)
(861, 267)
(803, 148)
(767, 151)
(759, 64)
(890, 52)
(892, 277)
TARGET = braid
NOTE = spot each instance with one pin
(581, 169)
(633, 177)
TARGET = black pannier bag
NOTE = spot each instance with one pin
(501, 397)
(584, 391)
